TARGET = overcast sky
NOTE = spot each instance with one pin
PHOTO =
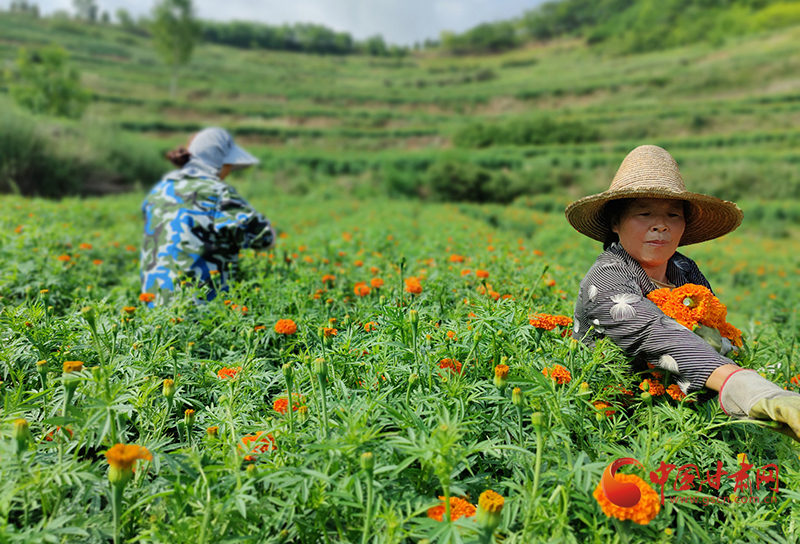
(399, 21)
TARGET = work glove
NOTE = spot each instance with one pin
(745, 394)
(714, 339)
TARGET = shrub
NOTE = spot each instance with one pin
(44, 82)
(539, 131)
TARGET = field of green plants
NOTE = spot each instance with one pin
(391, 413)
(384, 367)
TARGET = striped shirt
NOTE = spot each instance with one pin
(612, 302)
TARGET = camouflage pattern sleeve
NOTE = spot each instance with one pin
(240, 224)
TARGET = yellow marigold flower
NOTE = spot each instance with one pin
(643, 513)
(501, 371)
(72, 366)
(491, 502)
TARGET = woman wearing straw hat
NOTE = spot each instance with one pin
(195, 224)
(642, 219)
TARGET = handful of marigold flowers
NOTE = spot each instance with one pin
(696, 308)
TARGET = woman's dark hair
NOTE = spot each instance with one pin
(615, 209)
(179, 157)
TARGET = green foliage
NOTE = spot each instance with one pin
(45, 82)
(540, 131)
(484, 38)
(456, 180)
(54, 160)
(175, 34)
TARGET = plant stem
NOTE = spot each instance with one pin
(368, 518)
(519, 425)
(116, 497)
(446, 489)
(538, 467)
(324, 404)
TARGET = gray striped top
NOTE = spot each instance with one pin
(612, 302)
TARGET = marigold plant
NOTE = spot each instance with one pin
(413, 285)
(226, 373)
(451, 364)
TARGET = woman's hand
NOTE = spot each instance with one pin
(744, 393)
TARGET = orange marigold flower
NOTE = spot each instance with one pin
(795, 380)
(456, 258)
(129, 309)
(285, 326)
(64, 258)
(147, 297)
(59, 430)
(85, 246)
(97, 262)
(282, 403)
(361, 289)
(451, 335)
(656, 388)
(225, 372)
(377, 283)
(253, 443)
(374, 270)
(466, 272)
(537, 253)
(123, 456)
(260, 328)
(501, 371)
(328, 278)
(329, 331)
(358, 263)
(458, 508)
(550, 283)
(370, 326)
(451, 364)
(549, 322)
(482, 274)
(675, 392)
(413, 285)
(602, 408)
(494, 294)
(643, 513)
(558, 373)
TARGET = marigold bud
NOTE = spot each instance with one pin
(288, 372)
(212, 432)
(320, 367)
(168, 388)
(413, 379)
(21, 434)
(647, 397)
(368, 461)
(517, 396)
(41, 368)
(88, 314)
(302, 414)
(584, 389)
(537, 419)
(188, 417)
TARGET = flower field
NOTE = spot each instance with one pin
(390, 372)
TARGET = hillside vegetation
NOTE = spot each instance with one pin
(555, 118)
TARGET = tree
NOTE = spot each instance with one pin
(85, 10)
(175, 33)
(44, 82)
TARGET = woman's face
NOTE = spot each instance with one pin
(651, 229)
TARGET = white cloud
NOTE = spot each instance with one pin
(399, 21)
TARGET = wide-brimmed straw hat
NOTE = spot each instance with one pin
(650, 172)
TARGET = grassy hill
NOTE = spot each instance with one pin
(728, 113)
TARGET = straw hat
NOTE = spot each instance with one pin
(650, 172)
